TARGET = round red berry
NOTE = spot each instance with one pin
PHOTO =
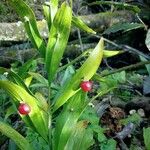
(86, 86)
(24, 109)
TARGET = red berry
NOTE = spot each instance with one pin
(86, 86)
(24, 109)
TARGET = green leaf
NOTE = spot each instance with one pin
(146, 134)
(67, 74)
(82, 138)
(147, 66)
(20, 141)
(36, 141)
(42, 101)
(39, 78)
(57, 42)
(67, 120)
(110, 53)
(11, 75)
(50, 9)
(10, 110)
(147, 41)
(85, 72)
(28, 81)
(53, 8)
(81, 25)
(28, 18)
(37, 118)
(134, 118)
(123, 27)
(121, 5)
(108, 144)
(23, 70)
(46, 9)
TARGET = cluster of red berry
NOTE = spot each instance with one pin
(24, 109)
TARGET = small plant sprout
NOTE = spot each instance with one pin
(86, 86)
(24, 109)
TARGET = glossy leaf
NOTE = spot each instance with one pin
(23, 70)
(81, 25)
(39, 78)
(36, 119)
(67, 120)
(28, 18)
(46, 9)
(110, 53)
(42, 101)
(67, 74)
(50, 9)
(53, 8)
(85, 72)
(28, 81)
(81, 138)
(11, 75)
(57, 42)
(20, 141)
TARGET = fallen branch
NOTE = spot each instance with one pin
(99, 22)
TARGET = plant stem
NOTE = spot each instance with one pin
(75, 60)
(49, 119)
(125, 48)
(98, 76)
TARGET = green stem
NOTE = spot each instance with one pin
(49, 119)
(75, 60)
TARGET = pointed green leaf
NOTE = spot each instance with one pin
(46, 9)
(27, 16)
(57, 42)
(11, 75)
(54, 7)
(110, 53)
(67, 120)
(81, 138)
(23, 70)
(28, 81)
(42, 101)
(50, 9)
(37, 116)
(85, 72)
(10, 110)
(20, 141)
(81, 25)
(39, 78)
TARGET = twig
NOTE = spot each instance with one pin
(145, 26)
(97, 76)
(128, 48)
